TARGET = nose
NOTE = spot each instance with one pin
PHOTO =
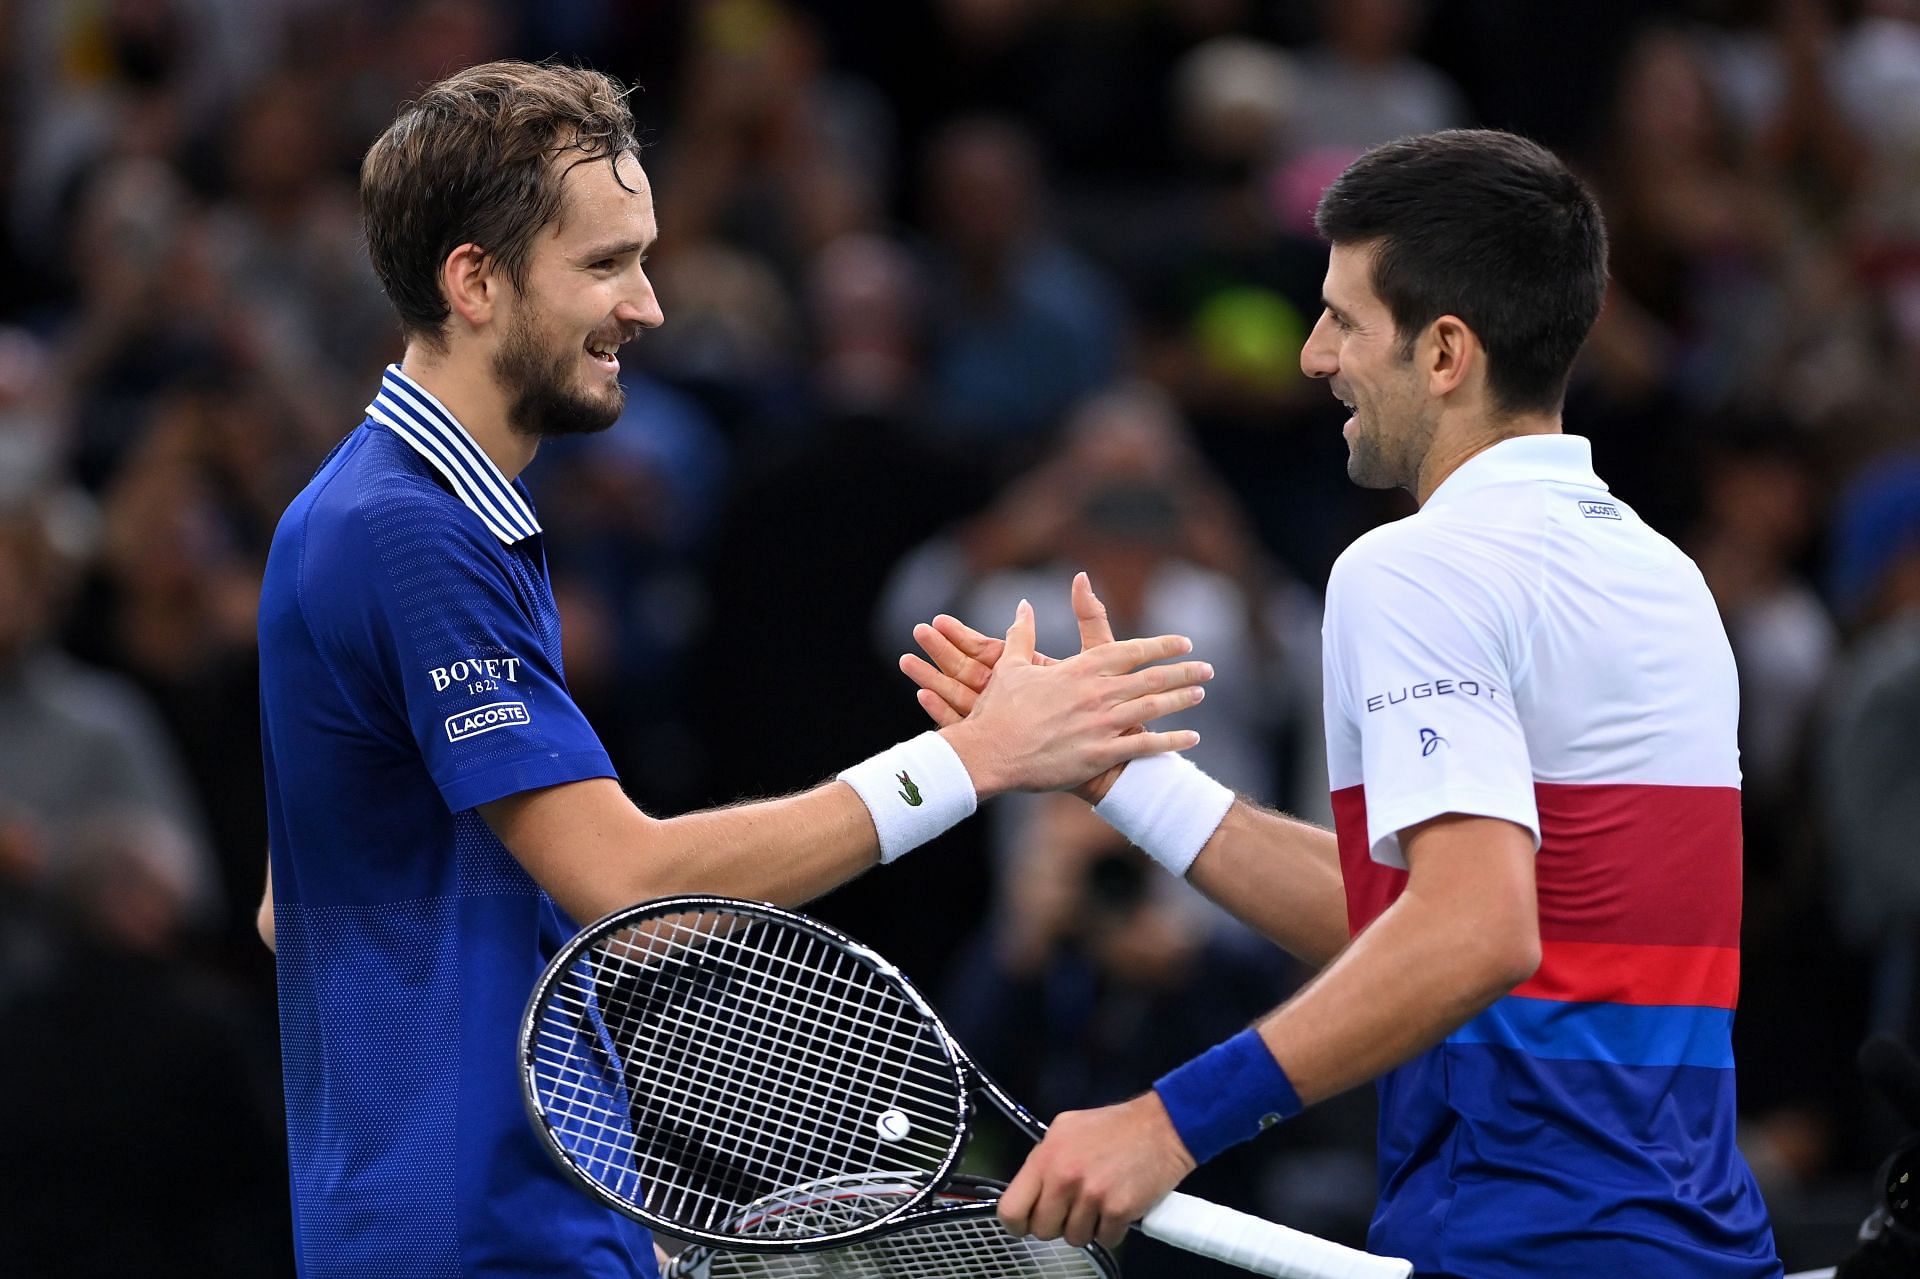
(642, 309)
(1320, 356)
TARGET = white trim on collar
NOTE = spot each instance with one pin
(1556, 457)
(411, 412)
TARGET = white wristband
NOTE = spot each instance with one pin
(1167, 808)
(915, 791)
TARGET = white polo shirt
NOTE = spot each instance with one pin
(1526, 648)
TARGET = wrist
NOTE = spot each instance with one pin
(977, 757)
(1166, 807)
(1151, 1104)
(913, 792)
(1229, 1094)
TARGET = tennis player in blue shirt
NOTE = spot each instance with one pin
(441, 815)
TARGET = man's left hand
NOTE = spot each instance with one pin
(1096, 1173)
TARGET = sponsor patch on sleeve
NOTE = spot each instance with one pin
(484, 719)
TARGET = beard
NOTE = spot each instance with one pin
(1389, 444)
(544, 397)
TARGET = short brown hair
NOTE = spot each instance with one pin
(472, 160)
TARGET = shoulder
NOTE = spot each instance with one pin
(1440, 568)
(1434, 553)
(385, 501)
(374, 520)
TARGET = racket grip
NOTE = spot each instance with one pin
(1262, 1246)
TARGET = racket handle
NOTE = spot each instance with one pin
(1262, 1246)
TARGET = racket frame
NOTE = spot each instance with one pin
(973, 1197)
(967, 1077)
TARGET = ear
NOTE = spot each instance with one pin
(1453, 354)
(472, 284)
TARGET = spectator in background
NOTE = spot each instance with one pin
(1021, 325)
(774, 157)
(171, 597)
(139, 1083)
(1869, 784)
(1758, 517)
(1126, 498)
(1697, 231)
(146, 312)
(633, 511)
(1361, 83)
(288, 245)
(77, 742)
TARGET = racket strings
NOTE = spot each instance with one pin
(700, 1064)
(969, 1247)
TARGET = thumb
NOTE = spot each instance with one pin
(1020, 640)
(1095, 628)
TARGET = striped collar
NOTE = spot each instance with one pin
(411, 412)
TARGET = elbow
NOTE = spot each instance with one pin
(1512, 955)
(263, 922)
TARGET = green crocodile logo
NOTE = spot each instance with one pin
(912, 793)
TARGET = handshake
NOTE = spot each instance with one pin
(1010, 718)
(1020, 720)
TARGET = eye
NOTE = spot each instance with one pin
(604, 264)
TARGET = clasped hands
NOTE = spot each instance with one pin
(1096, 1171)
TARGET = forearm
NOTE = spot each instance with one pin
(787, 850)
(1418, 973)
(1280, 876)
(594, 851)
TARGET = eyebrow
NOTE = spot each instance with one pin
(616, 250)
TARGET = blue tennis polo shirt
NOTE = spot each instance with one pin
(409, 672)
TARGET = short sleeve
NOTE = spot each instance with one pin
(1420, 657)
(465, 650)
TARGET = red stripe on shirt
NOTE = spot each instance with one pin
(1650, 865)
(1632, 865)
(1601, 972)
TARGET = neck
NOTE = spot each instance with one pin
(463, 382)
(1455, 443)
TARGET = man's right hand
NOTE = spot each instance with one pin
(964, 661)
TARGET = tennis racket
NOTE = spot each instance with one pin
(955, 1235)
(690, 1059)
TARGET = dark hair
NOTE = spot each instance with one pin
(471, 160)
(1488, 227)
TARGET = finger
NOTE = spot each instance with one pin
(1124, 655)
(1118, 750)
(942, 714)
(1144, 710)
(936, 681)
(984, 648)
(1083, 1218)
(1113, 1231)
(1156, 679)
(1020, 636)
(1048, 1220)
(1095, 628)
(1016, 1201)
(950, 659)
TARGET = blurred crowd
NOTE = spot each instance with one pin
(961, 296)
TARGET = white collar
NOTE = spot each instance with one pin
(1555, 457)
(411, 412)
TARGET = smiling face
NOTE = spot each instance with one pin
(1357, 349)
(586, 294)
